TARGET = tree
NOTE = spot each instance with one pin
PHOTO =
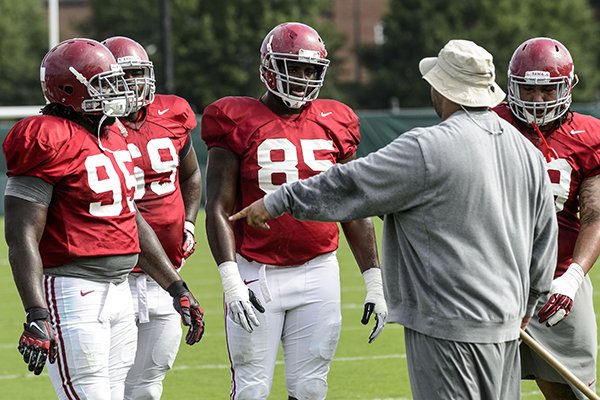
(215, 43)
(23, 43)
(419, 28)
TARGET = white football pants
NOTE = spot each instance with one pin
(158, 338)
(303, 314)
(96, 333)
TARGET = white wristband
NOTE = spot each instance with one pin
(189, 226)
(569, 282)
(229, 270)
(576, 272)
(372, 278)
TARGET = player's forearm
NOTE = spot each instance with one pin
(152, 259)
(191, 191)
(221, 240)
(587, 246)
(24, 226)
(26, 265)
(360, 235)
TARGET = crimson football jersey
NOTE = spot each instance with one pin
(92, 212)
(577, 144)
(155, 141)
(274, 150)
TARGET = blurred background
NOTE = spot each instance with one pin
(206, 49)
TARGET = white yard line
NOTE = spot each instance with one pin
(226, 366)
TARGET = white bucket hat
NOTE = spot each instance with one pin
(464, 73)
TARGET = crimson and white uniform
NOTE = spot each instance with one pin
(292, 266)
(90, 224)
(573, 341)
(155, 142)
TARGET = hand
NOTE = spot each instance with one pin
(189, 241)
(239, 298)
(191, 313)
(562, 294)
(38, 340)
(256, 215)
(374, 302)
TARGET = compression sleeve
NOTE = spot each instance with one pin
(29, 188)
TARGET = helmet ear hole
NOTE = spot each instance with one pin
(67, 89)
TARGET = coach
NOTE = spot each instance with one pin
(469, 234)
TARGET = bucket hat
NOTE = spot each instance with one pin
(464, 73)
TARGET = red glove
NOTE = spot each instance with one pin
(38, 340)
(562, 294)
(189, 309)
(189, 241)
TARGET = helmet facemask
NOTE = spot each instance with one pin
(143, 84)
(108, 93)
(540, 112)
(275, 74)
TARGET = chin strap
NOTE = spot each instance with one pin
(549, 153)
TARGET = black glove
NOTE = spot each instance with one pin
(38, 340)
(189, 309)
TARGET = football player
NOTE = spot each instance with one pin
(168, 192)
(256, 146)
(73, 231)
(540, 81)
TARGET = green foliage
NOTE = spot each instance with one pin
(419, 28)
(23, 43)
(215, 43)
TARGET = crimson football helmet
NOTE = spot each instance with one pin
(84, 75)
(541, 61)
(292, 41)
(131, 56)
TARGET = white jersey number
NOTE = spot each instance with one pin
(103, 178)
(561, 188)
(288, 164)
(156, 149)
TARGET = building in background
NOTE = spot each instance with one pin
(358, 20)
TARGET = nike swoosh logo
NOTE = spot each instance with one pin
(250, 281)
(82, 293)
(37, 327)
(325, 114)
(161, 112)
(574, 132)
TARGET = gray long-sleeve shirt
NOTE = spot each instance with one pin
(470, 234)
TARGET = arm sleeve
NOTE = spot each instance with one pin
(29, 188)
(545, 246)
(386, 181)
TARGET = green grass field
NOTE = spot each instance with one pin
(359, 370)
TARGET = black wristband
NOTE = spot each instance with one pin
(176, 288)
(36, 313)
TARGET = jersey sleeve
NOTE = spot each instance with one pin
(187, 115)
(343, 125)
(36, 147)
(179, 113)
(590, 160)
(219, 130)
